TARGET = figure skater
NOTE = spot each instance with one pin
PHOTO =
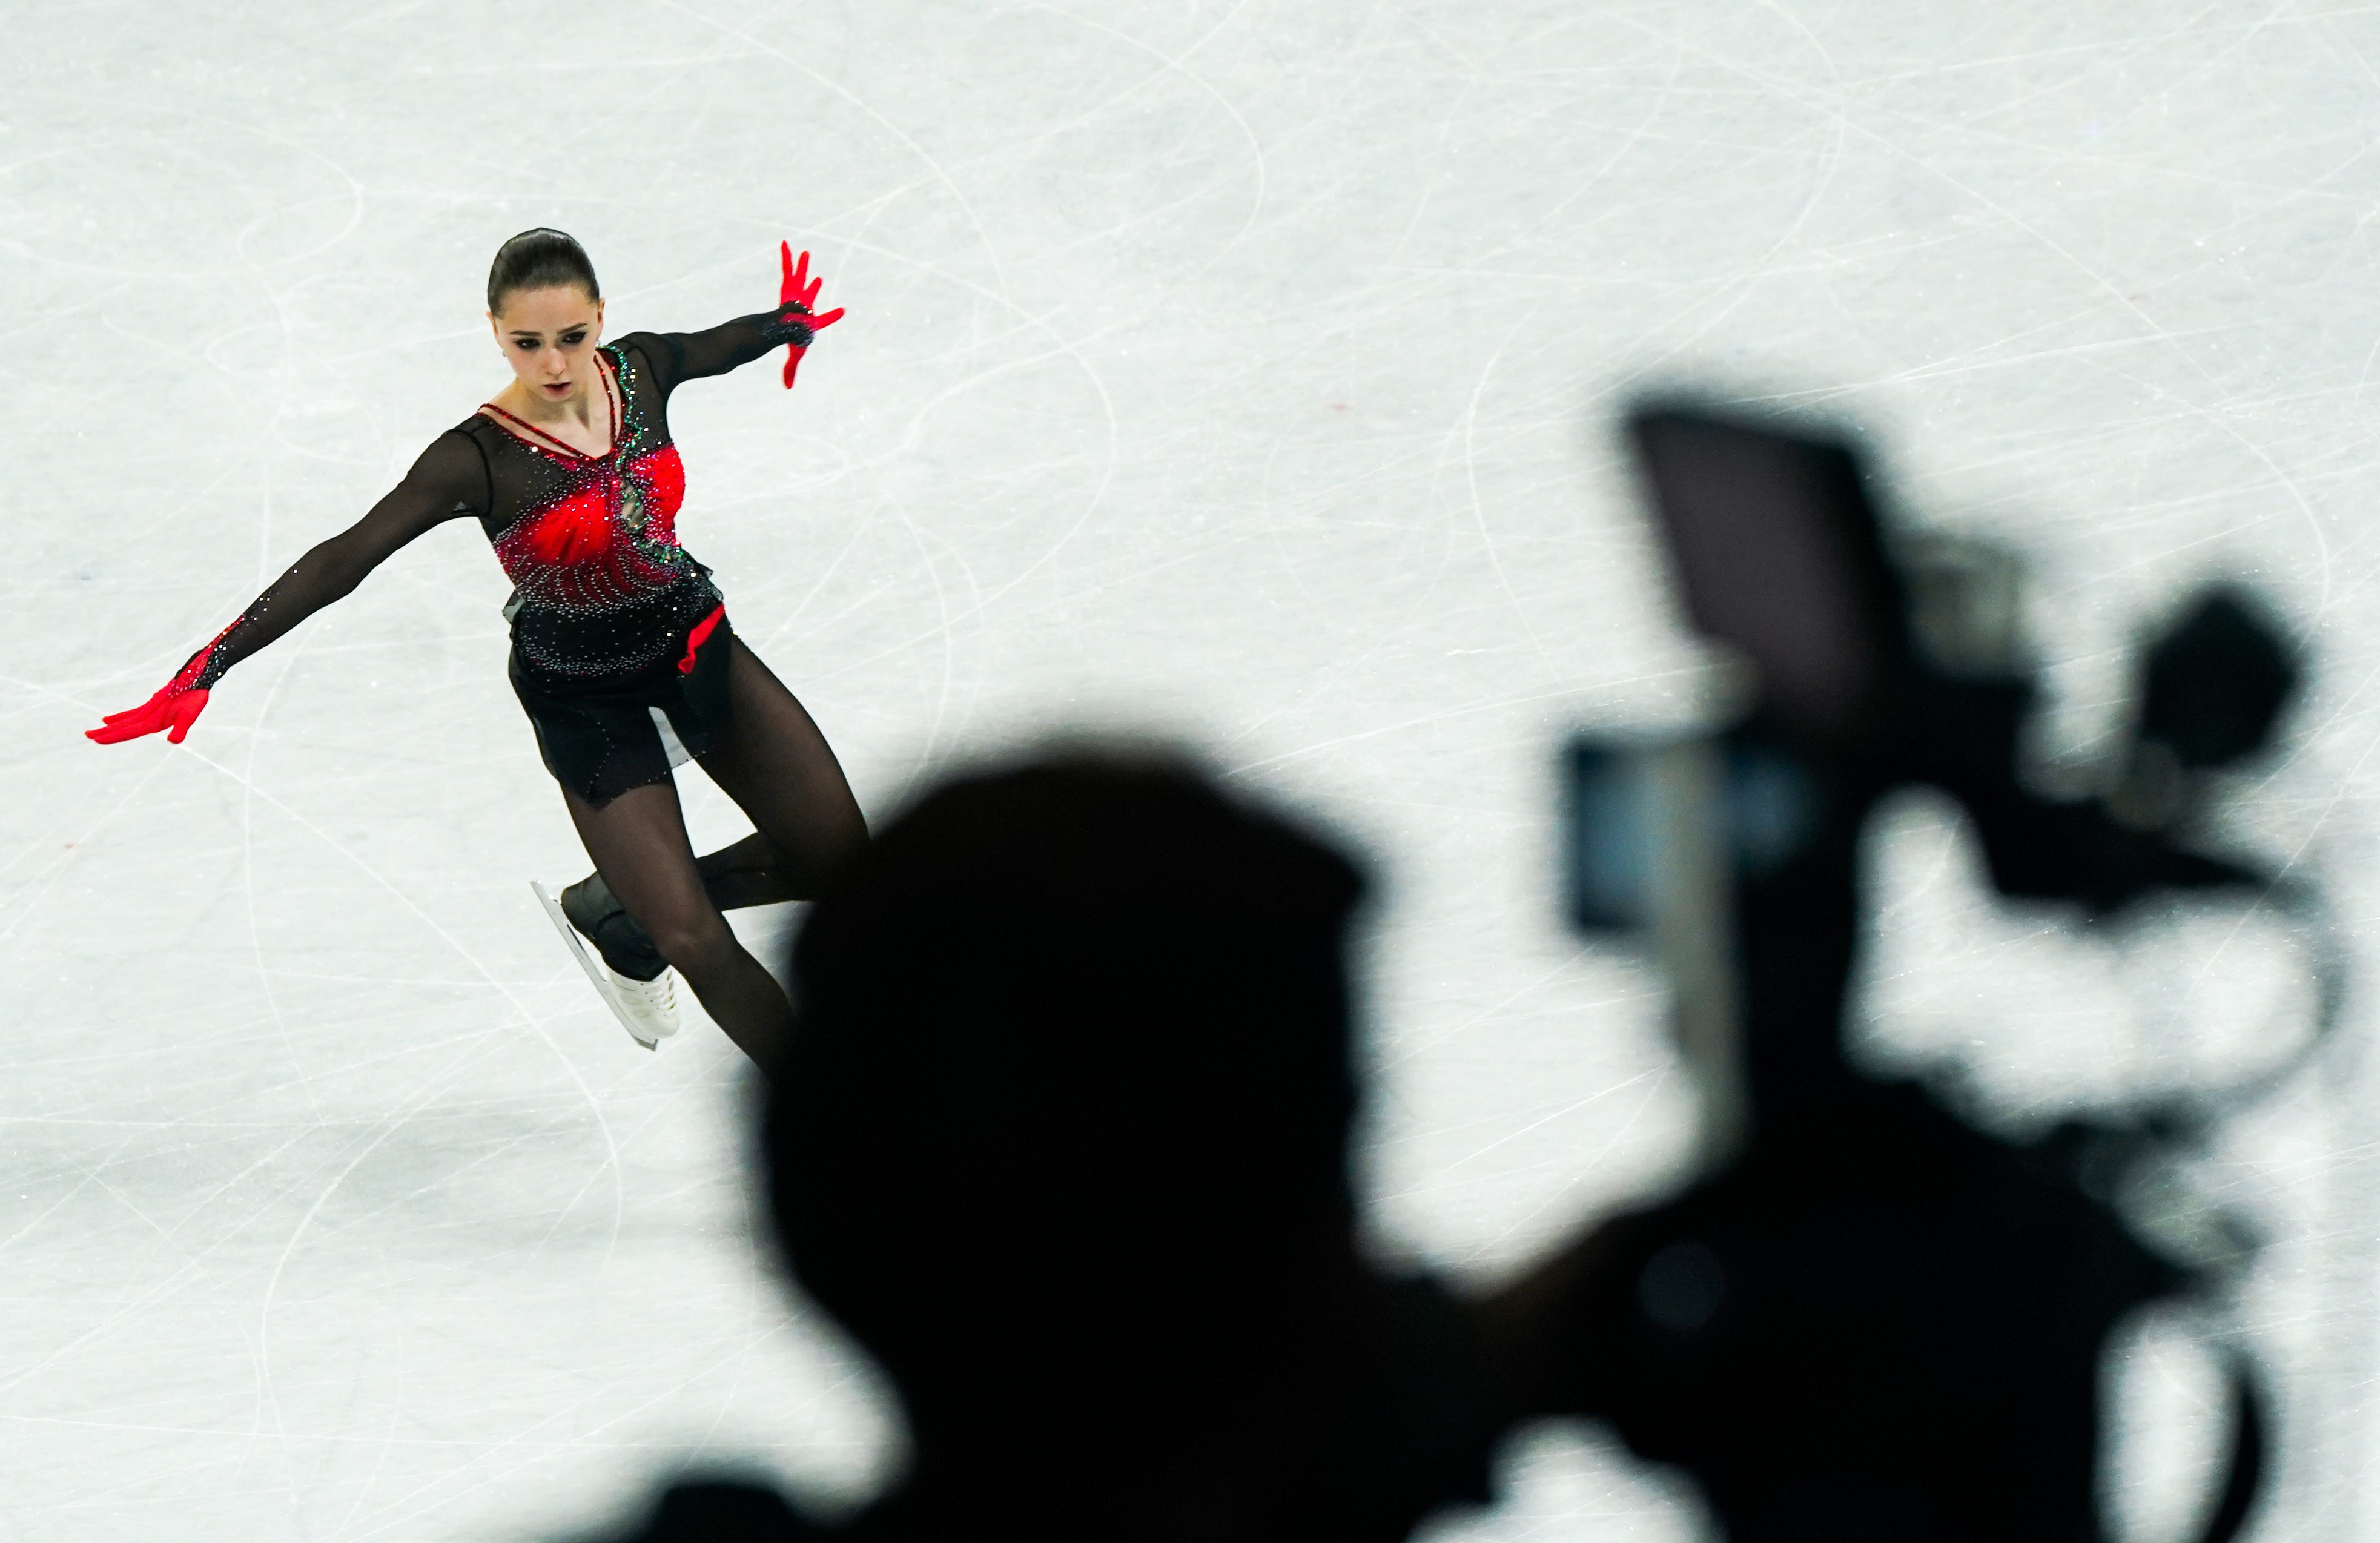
(622, 654)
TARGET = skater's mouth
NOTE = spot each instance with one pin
(557, 387)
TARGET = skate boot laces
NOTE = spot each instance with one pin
(653, 1003)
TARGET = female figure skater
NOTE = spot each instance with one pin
(622, 654)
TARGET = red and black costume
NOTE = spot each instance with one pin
(619, 640)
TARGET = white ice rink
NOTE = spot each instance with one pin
(1246, 372)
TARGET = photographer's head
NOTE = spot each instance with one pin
(1066, 1116)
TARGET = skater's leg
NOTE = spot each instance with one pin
(748, 873)
(778, 768)
(639, 845)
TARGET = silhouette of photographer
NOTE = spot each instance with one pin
(1062, 1140)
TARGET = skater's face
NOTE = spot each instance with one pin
(548, 336)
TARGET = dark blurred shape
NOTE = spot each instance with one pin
(1867, 1320)
(1890, 1329)
(723, 1509)
(1063, 1141)
(1772, 555)
(2211, 687)
(2214, 686)
(1966, 605)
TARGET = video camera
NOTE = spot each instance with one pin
(1867, 1320)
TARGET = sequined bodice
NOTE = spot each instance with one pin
(609, 536)
(602, 586)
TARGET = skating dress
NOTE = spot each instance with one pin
(620, 638)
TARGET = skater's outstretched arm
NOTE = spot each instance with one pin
(449, 480)
(792, 325)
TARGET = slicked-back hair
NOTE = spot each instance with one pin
(540, 259)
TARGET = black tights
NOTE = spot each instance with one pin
(778, 768)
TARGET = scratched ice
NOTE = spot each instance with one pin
(1245, 371)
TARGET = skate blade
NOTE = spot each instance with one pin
(595, 976)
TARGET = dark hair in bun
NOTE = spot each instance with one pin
(540, 259)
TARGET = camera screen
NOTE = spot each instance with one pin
(1776, 554)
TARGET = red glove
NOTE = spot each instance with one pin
(177, 704)
(802, 291)
(172, 709)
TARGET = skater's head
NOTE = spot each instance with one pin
(540, 259)
(547, 312)
(1072, 1087)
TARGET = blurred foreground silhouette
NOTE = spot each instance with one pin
(1063, 1142)
(1868, 1320)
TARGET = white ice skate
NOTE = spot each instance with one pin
(647, 1009)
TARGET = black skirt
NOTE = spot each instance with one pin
(602, 737)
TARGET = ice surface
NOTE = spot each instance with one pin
(1244, 371)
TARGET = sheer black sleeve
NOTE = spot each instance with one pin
(449, 480)
(677, 356)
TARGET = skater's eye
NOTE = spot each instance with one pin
(573, 339)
